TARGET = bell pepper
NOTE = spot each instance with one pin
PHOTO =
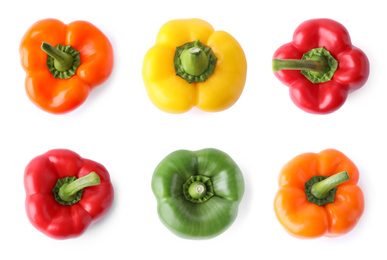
(198, 192)
(192, 65)
(318, 195)
(64, 63)
(65, 193)
(320, 66)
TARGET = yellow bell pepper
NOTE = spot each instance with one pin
(192, 65)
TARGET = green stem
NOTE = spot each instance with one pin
(197, 190)
(292, 64)
(194, 61)
(62, 60)
(68, 191)
(322, 188)
(317, 65)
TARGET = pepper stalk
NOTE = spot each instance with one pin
(317, 65)
(321, 190)
(62, 60)
(69, 190)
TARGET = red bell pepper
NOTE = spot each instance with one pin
(331, 67)
(66, 193)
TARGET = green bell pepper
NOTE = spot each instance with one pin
(198, 192)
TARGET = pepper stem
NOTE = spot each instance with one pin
(197, 190)
(293, 64)
(322, 188)
(62, 60)
(194, 61)
(68, 191)
(317, 65)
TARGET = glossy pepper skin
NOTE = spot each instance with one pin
(56, 95)
(351, 73)
(174, 94)
(304, 219)
(180, 208)
(49, 216)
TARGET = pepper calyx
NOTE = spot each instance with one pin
(198, 189)
(329, 65)
(194, 62)
(62, 60)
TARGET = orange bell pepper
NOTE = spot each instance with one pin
(330, 205)
(59, 79)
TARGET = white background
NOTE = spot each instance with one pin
(119, 127)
